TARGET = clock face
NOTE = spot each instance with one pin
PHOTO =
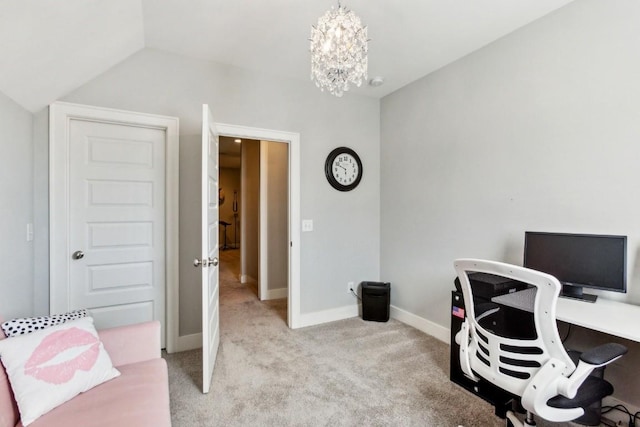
(343, 169)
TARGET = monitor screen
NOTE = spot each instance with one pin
(579, 260)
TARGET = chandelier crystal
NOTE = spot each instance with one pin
(338, 51)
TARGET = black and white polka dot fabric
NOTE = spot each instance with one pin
(25, 325)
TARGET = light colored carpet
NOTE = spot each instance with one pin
(346, 373)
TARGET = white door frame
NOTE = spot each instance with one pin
(60, 113)
(293, 139)
(263, 266)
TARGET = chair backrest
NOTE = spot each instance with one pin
(507, 362)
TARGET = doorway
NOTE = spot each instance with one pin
(292, 141)
(254, 214)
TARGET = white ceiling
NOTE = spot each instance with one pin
(51, 47)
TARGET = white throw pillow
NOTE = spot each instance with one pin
(49, 367)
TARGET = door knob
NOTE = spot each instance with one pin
(78, 255)
(205, 262)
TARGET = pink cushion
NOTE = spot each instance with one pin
(132, 343)
(140, 396)
(8, 408)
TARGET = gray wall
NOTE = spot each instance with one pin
(16, 209)
(277, 218)
(190, 311)
(162, 83)
(41, 212)
(250, 219)
(537, 131)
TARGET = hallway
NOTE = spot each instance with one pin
(230, 286)
(237, 299)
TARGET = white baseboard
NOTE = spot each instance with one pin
(422, 324)
(325, 316)
(346, 312)
(245, 278)
(193, 341)
(189, 342)
(276, 293)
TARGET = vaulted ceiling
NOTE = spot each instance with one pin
(51, 47)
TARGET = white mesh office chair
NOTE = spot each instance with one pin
(538, 370)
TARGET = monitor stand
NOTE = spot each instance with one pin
(575, 292)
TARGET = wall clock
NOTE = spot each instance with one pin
(343, 169)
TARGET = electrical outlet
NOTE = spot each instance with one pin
(350, 287)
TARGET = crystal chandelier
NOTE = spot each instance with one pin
(338, 51)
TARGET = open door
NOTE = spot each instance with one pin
(209, 260)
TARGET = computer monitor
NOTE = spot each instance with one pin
(579, 261)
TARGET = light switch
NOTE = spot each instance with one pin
(307, 225)
(29, 232)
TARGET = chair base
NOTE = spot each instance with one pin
(512, 420)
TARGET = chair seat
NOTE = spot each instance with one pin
(592, 390)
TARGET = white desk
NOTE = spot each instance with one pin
(611, 317)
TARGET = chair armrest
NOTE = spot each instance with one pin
(590, 360)
(132, 343)
(462, 339)
(603, 354)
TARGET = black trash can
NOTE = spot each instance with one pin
(376, 298)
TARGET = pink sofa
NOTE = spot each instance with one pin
(138, 397)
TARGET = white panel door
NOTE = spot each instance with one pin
(209, 260)
(117, 222)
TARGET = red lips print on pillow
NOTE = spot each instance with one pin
(49, 367)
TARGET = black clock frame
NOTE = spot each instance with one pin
(328, 165)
